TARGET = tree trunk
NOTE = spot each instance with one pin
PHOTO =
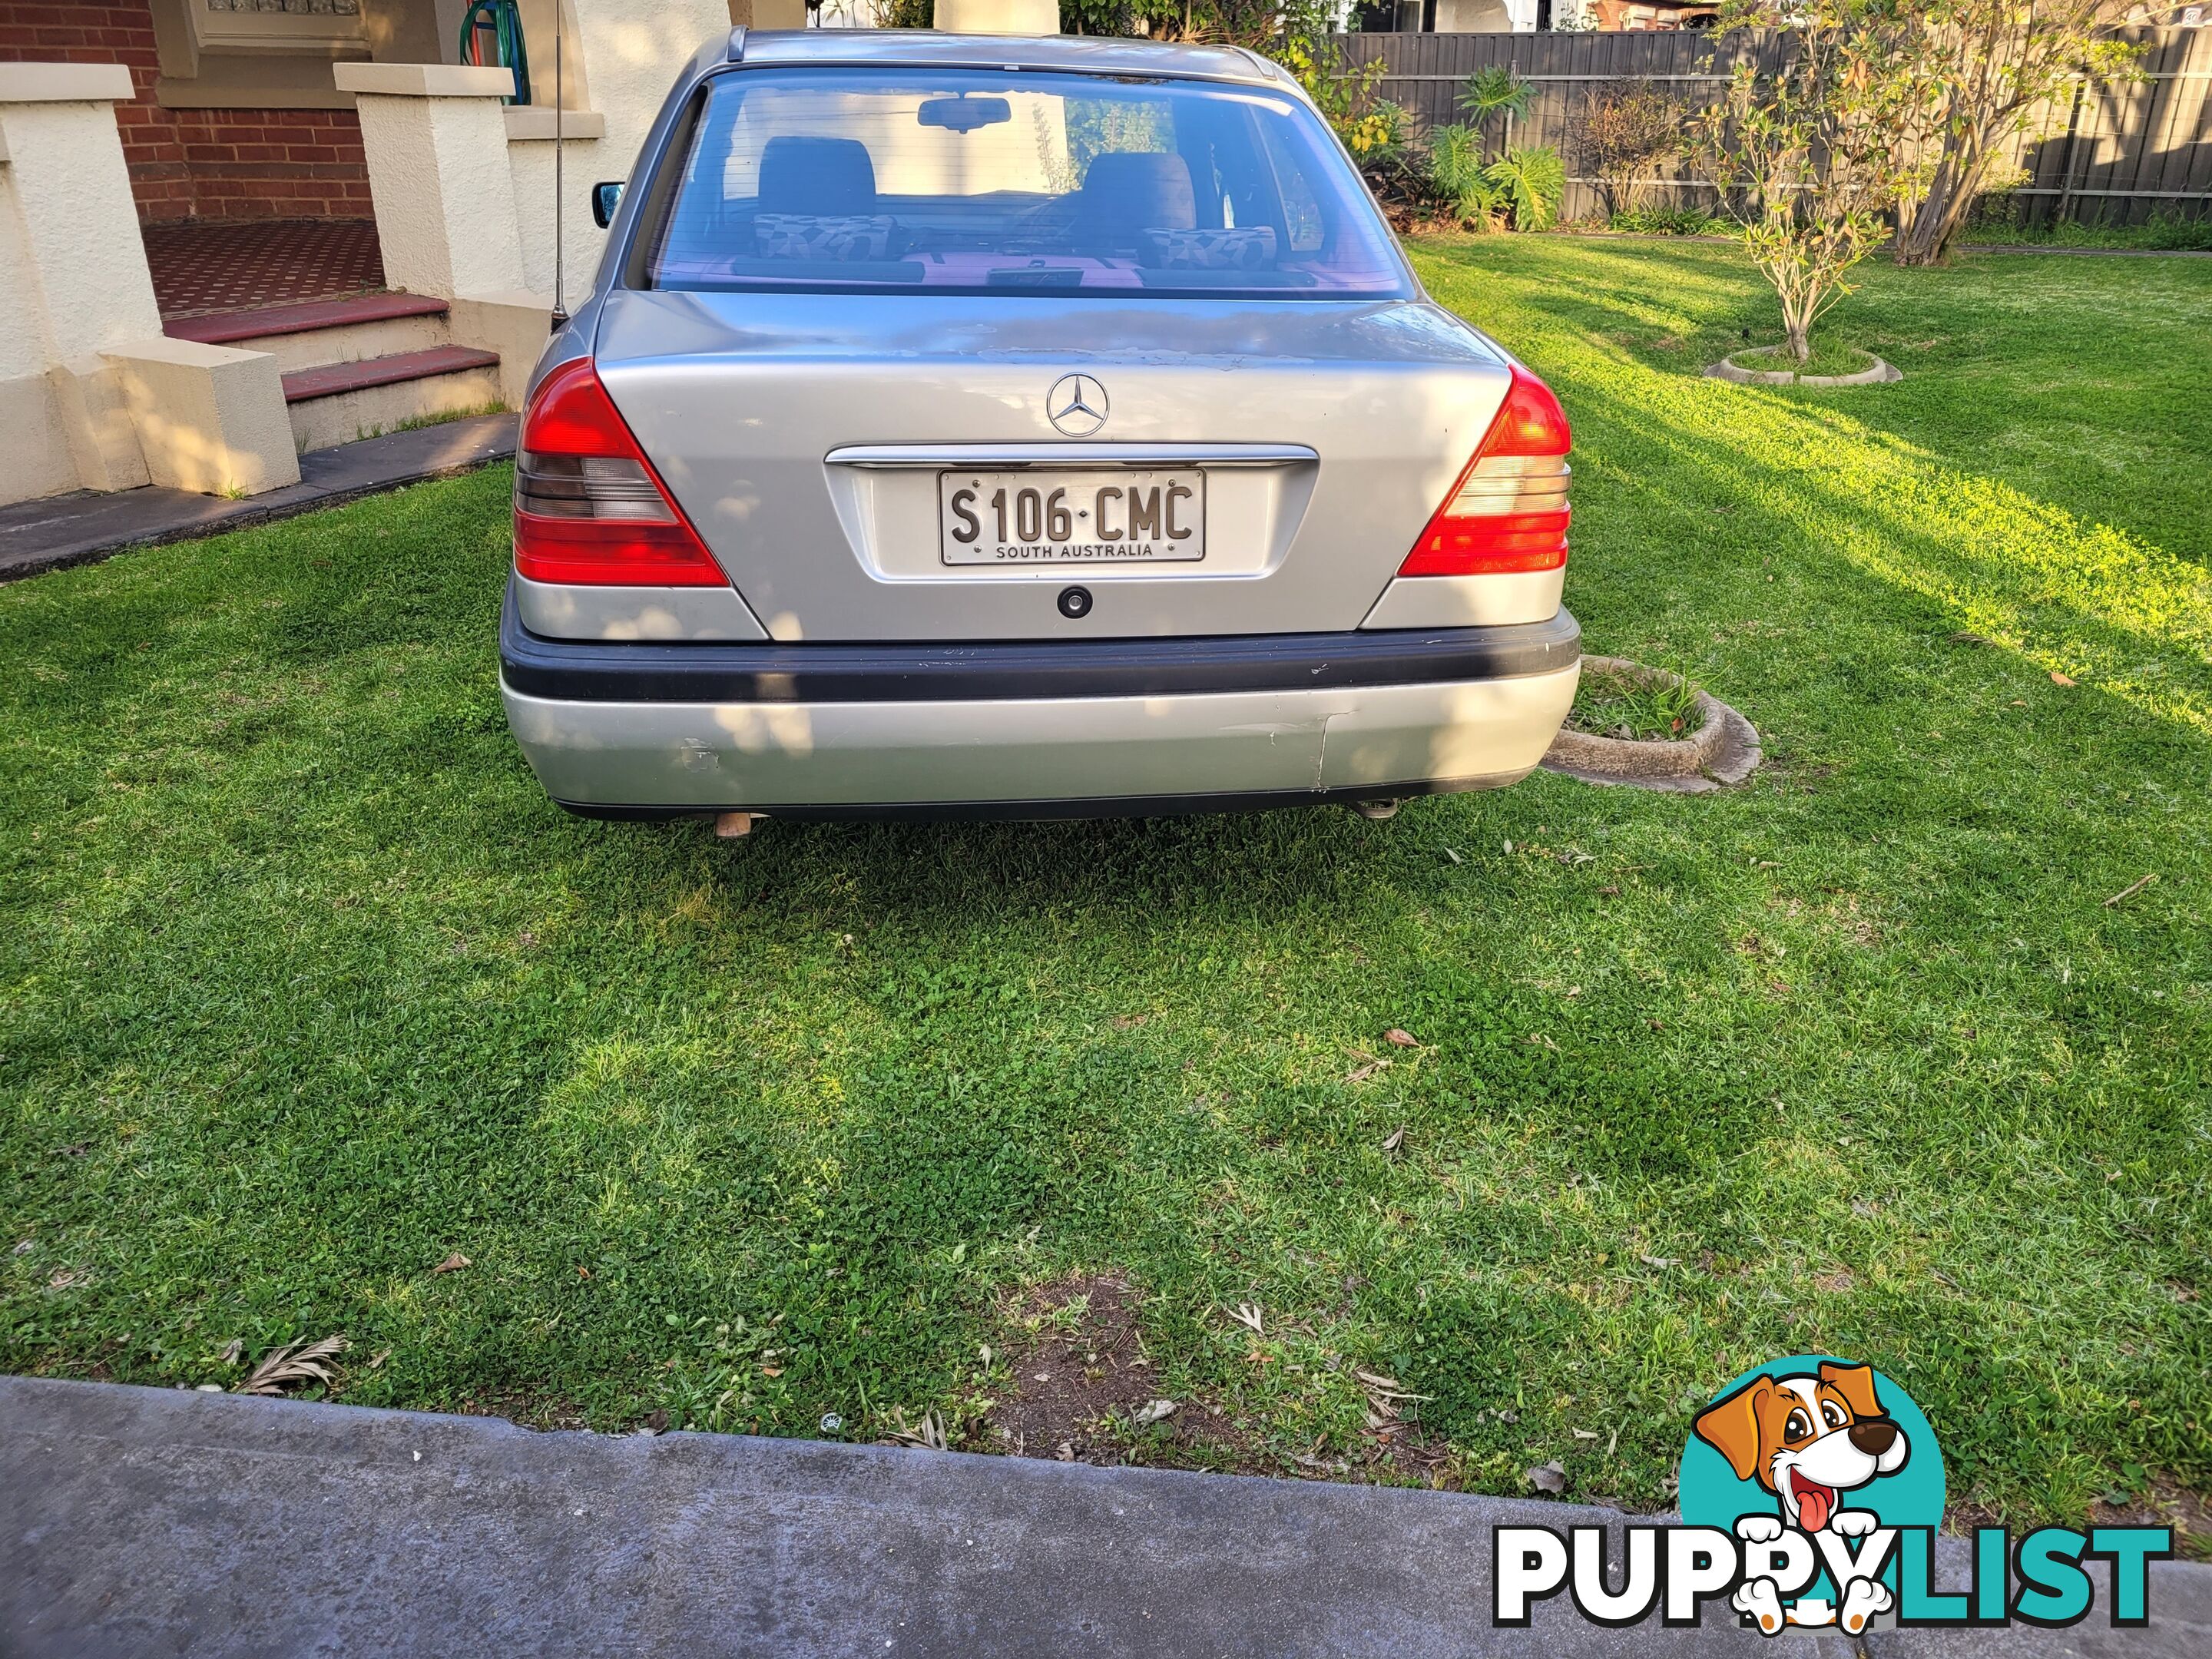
(1800, 303)
(1926, 239)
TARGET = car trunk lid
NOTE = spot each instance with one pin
(804, 436)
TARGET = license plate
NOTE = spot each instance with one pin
(1119, 517)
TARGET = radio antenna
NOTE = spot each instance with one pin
(560, 186)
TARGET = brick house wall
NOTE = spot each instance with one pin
(204, 164)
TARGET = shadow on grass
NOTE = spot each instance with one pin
(2079, 385)
(1979, 554)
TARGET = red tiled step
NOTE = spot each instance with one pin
(331, 379)
(222, 327)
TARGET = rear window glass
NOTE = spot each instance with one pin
(970, 182)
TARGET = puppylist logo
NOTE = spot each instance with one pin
(1811, 1492)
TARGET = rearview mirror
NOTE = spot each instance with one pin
(963, 114)
(606, 199)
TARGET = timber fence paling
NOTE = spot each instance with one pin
(2121, 153)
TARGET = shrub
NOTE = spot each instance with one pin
(1626, 132)
(1384, 132)
(1344, 92)
(1524, 185)
(1981, 72)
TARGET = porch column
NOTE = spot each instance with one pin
(436, 140)
(92, 394)
(438, 176)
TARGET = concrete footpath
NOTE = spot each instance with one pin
(55, 532)
(145, 1521)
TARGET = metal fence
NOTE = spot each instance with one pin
(2118, 153)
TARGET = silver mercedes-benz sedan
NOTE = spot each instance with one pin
(967, 425)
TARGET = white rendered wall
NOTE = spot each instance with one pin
(73, 279)
(1481, 17)
(39, 460)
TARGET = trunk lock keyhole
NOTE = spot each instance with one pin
(1074, 602)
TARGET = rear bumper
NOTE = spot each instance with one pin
(1036, 728)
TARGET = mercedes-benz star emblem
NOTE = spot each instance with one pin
(1076, 405)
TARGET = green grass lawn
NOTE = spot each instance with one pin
(304, 988)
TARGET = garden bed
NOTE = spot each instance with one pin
(1652, 729)
(1832, 366)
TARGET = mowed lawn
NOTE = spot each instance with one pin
(305, 988)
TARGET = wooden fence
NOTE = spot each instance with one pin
(2118, 153)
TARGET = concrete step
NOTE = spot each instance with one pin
(319, 331)
(336, 403)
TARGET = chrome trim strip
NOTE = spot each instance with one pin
(1019, 455)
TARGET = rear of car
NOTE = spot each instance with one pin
(1023, 427)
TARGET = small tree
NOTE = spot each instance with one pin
(1627, 129)
(1806, 154)
(1983, 69)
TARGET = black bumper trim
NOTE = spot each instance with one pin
(592, 671)
(1087, 807)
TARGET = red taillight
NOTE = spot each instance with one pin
(1508, 511)
(588, 507)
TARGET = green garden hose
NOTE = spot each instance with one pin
(504, 23)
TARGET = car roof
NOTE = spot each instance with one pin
(1092, 54)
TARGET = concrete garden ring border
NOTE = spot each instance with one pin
(1723, 749)
(1727, 369)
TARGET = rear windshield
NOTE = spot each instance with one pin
(962, 181)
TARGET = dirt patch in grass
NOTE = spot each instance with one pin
(1081, 1377)
(1082, 1390)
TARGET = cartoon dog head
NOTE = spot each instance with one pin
(1808, 1439)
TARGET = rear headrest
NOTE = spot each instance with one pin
(1126, 192)
(816, 176)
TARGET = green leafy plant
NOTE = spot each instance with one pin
(1493, 91)
(1459, 173)
(1529, 183)
(1526, 184)
(1385, 132)
(1636, 704)
(1344, 92)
